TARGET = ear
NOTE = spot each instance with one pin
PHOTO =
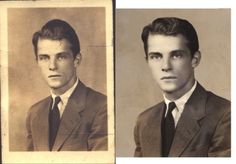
(77, 59)
(196, 59)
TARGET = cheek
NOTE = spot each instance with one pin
(185, 71)
(68, 69)
(65, 66)
(154, 67)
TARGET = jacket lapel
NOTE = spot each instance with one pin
(71, 116)
(152, 131)
(40, 126)
(188, 125)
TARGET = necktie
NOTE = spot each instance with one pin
(168, 130)
(54, 121)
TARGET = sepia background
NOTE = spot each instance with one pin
(26, 85)
(135, 87)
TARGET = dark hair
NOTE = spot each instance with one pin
(57, 29)
(172, 26)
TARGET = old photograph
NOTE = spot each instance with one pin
(59, 80)
(176, 102)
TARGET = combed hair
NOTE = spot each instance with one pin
(172, 26)
(57, 29)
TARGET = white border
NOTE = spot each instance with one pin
(155, 4)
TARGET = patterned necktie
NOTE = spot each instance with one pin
(168, 130)
(54, 121)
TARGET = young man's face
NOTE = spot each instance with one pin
(171, 63)
(57, 64)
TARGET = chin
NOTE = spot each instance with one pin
(169, 88)
(55, 85)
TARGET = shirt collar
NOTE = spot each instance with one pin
(65, 96)
(182, 100)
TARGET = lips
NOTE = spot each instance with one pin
(168, 77)
(51, 76)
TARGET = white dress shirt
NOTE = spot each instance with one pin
(64, 98)
(180, 103)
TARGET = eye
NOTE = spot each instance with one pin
(62, 56)
(155, 56)
(177, 54)
(43, 57)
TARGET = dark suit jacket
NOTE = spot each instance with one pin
(204, 128)
(83, 125)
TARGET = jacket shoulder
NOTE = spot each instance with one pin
(150, 112)
(96, 97)
(208, 102)
(216, 102)
(35, 107)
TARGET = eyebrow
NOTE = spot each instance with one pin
(154, 53)
(59, 53)
(174, 51)
(43, 55)
(180, 50)
(63, 53)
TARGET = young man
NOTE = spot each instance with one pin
(74, 117)
(190, 121)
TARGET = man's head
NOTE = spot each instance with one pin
(57, 51)
(171, 26)
(172, 52)
(57, 29)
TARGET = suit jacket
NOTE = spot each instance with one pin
(204, 128)
(83, 125)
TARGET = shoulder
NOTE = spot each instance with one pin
(96, 97)
(38, 105)
(217, 100)
(150, 112)
(217, 103)
(88, 95)
(208, 102)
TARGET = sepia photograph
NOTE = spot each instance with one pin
(57, 63)
(173, 83)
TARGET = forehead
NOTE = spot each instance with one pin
(165, 43)
(49, 46)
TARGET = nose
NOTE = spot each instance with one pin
(166, 65)
(52, 64)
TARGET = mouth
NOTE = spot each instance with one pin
(168, 78)
(52, 76)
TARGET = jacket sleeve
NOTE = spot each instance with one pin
(138, 149)
(29, 139)
(221, 140)
(98, 139)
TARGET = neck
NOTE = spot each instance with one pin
(66, 87)
(172, 96)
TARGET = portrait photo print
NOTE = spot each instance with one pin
(60, 82)
(91, 68)
(154, 47)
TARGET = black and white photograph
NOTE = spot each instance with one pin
(173, 83)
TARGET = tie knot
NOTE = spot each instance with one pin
(57, 100)
(171, 107)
